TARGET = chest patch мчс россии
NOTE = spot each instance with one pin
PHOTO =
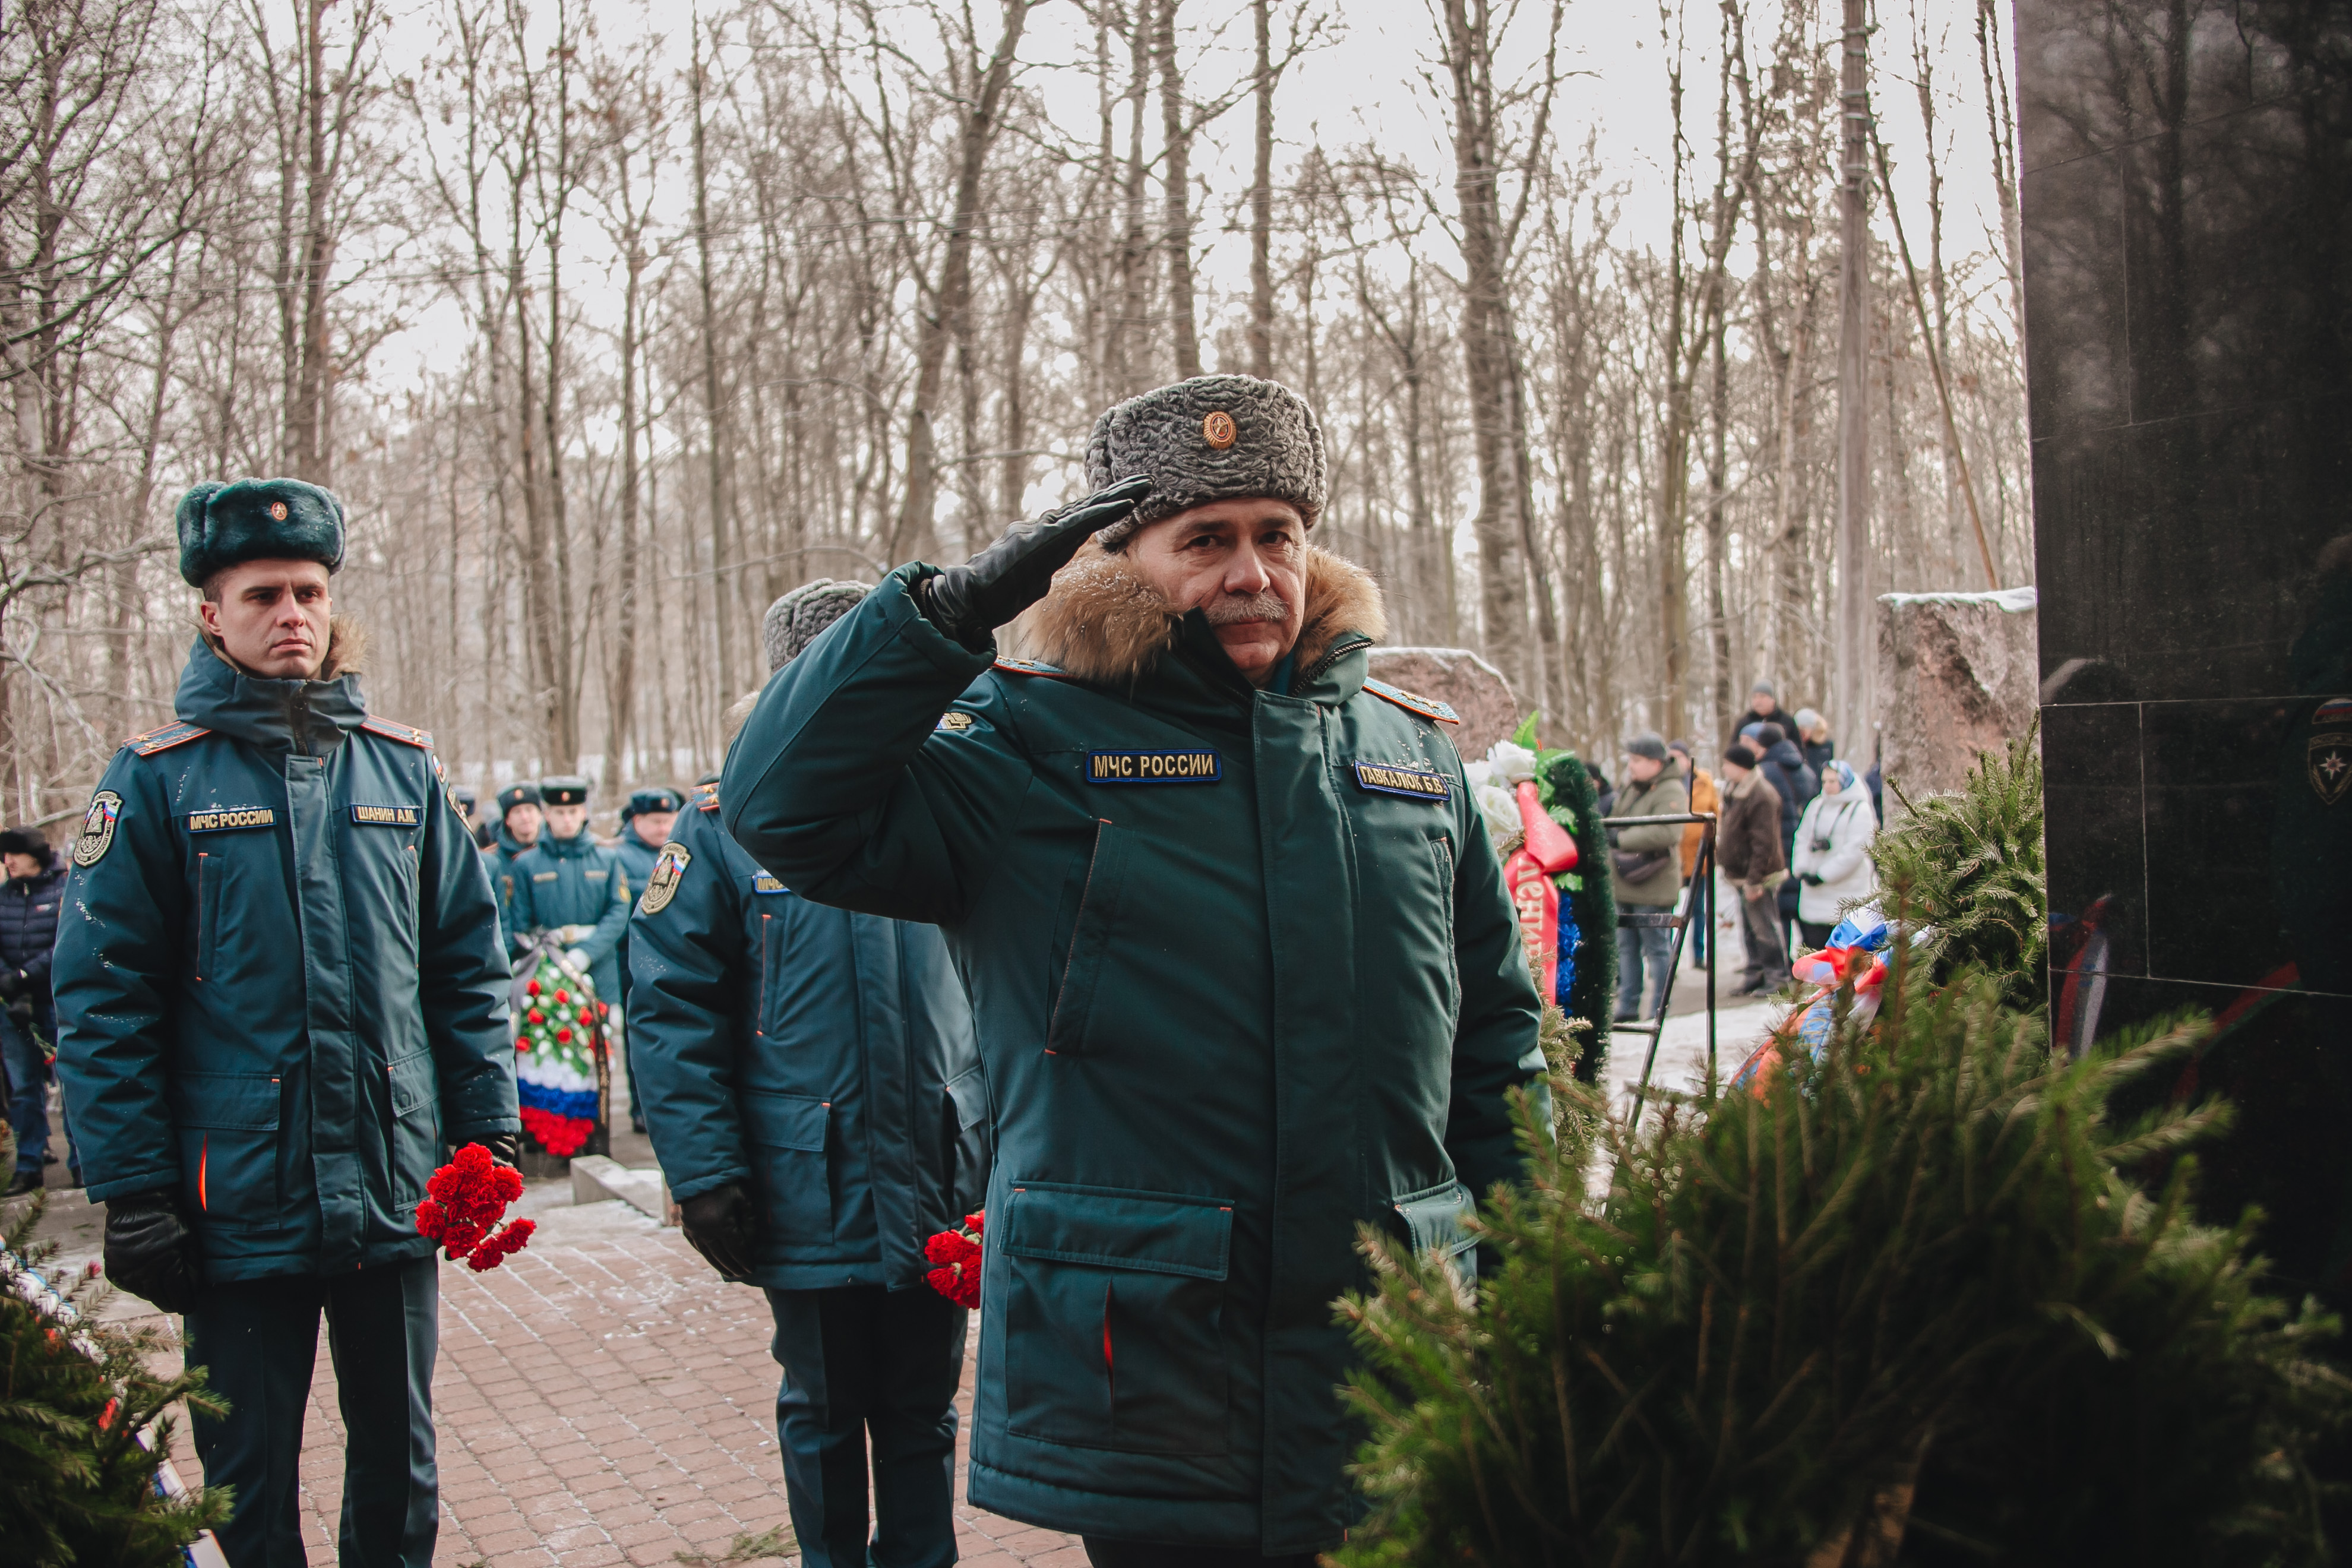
(231, 817)
(1153, 767)
(1413, 783)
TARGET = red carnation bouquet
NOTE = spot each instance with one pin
(469, 1196)
(955, 1255)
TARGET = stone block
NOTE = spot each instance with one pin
(1957, 676)
(1464, 681)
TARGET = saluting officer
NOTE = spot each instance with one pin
(818, 1109)
(1245, 974)
(647, 822)
(280, 999)
(570, 885)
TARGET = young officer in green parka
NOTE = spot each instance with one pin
(279, 1000)
(1244, 967)
(817, 1106)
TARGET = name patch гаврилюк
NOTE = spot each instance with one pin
(1153, 767)
(384, 816)
(234, 816)
(1413, 783)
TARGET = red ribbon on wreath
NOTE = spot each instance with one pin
(469, 1196)
(956, 1254)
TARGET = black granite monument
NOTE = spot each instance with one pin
(2187, 198)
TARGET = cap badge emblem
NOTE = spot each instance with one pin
(1218, 430)
(278, 511)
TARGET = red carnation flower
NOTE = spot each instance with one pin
(958, 1255)
(537, 1016)
(468, 1196)
(603, 1009)
(561, 995)
(562, 1036)
(532, 988)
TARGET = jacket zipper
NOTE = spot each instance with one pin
(1331, 656)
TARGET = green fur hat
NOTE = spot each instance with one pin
(1213, 437)
(258, 519)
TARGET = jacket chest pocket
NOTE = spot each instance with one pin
(415, 1101)
(1114, 1326)
(789, 1133)
(1090, 940)
(212, 869)
(227, 1126)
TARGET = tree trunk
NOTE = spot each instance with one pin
(714, 412)
(939, 326)
(1261, 327)
(1855, 646)
(1176, 132)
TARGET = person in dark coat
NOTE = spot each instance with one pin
(1783, 767)
(1763, 708)
(28, 1028)
(1814, 738)
(521, 816)
(818, 1107)
(279, 1001)
(647, 820)
(1747, 846)
(1245, 974)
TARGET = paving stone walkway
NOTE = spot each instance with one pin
(603, 1398)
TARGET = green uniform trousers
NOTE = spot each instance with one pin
(257, 1341)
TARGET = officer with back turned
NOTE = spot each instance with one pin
(819, 1110)
(279, 1001)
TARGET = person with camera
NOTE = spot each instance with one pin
(1832, 865)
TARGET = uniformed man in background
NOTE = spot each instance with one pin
(569, 886)
(818, 1108)
(279, 1001)
(646, 823)
(466, 799)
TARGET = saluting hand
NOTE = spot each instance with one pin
(151, 1251)
(970, 601)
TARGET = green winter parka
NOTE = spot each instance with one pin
(1245, 978)
(278, 990)
(574, 881)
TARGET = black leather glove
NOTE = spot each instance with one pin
(723, 1226)
(506, 1148)
(970, 601)
(151, 1251)
(1810, 879)
(12, 984)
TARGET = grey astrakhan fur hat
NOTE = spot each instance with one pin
(794, 621)
(1213, 437)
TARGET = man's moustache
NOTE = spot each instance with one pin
(1233, 612)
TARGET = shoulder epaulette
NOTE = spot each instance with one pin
(1427, 707)
(1031, 667)
(406, 735)
(164, 737)
(706, 797)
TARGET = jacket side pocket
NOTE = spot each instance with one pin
(1433, 1220)
(1114, 1308)
(415, 1092)
(789, 1131)
(1096, 928)
(229, 1144)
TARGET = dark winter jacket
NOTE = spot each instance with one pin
(1819, 754)
(277, 985)
(1245, 978)
(1784, 769)
(1748, 839)
(636, 857)
(1747, 716)
(824, 1058)
(29, 929)
(575, 882)
(499, 860)
(1665, 795)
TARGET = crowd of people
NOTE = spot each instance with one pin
(1166, 960)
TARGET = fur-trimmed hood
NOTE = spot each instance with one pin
(1103, 622)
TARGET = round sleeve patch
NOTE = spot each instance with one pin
(97, 835)
(661, 885)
